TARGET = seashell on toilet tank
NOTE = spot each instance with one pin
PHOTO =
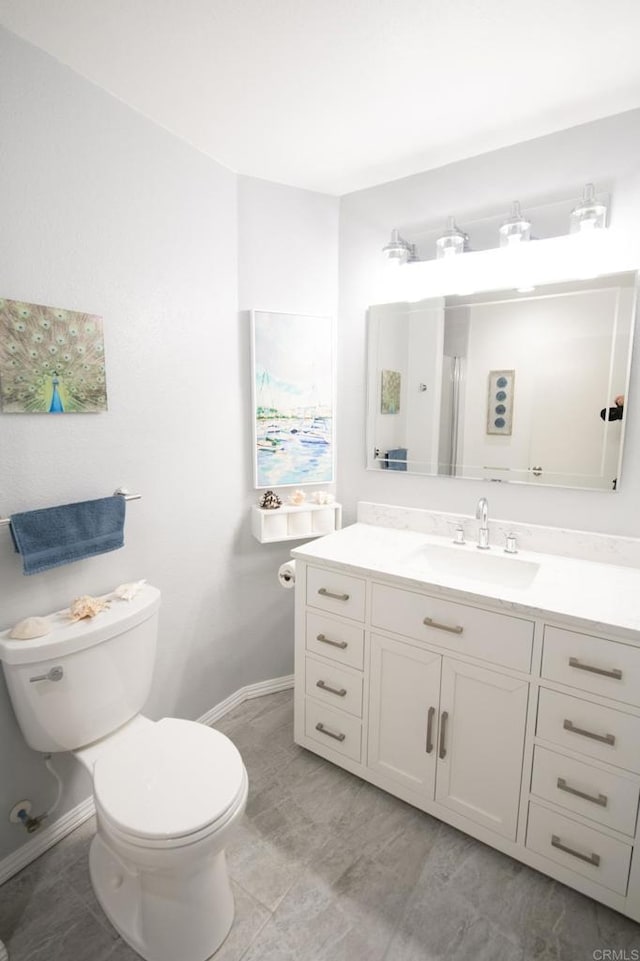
(30, 627)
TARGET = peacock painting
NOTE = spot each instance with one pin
(51, 360)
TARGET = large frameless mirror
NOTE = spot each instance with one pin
(525, 387)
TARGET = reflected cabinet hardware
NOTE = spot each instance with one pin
(615, 673)
(601, 799)
(605, 738)
(327, 640)
(337, 597)
(589, 858)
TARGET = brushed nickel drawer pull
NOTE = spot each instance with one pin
(616, 673)
(332, 690)
(600, 799)
(589, 858)
(324, 730)
(336, 597)
(443, 627)
(430, 716)
(327, 640)
(605, 738)
(442, 753)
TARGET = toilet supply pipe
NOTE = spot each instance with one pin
(23, 815)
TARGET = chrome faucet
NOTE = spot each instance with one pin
(482, 514)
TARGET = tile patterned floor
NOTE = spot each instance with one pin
(327, 868)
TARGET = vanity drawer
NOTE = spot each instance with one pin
(587, 728)
(335, 730)
(592, 664)
(578, 786)
(337, 593)
(335, 639)
(337, 686)
(581, 849)
(497, 638)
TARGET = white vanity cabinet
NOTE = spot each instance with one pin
(519, 729)
(448, 730)
(586, 762)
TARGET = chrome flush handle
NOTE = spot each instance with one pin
(55, 674)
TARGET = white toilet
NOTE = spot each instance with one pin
(167, 793)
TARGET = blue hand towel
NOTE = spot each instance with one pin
(60, 535)
(397, 459)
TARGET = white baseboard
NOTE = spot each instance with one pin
(66, 823)
(244, 694)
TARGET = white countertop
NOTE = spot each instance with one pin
(602, 597)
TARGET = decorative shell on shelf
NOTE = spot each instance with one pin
(30, 627)
(126, 592)
(297, 498)
(270, 501)
(322, 497)
(87, 606)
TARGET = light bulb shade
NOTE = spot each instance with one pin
(397, 249)
(590, 214)
(451, 242)
(516, 229)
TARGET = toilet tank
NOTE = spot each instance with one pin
(99, 673)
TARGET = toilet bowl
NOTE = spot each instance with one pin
(167, 793)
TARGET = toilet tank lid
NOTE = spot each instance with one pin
(68, 637)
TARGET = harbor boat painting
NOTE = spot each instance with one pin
(293, 394)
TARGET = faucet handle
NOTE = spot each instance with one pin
(511, 545)
(458, 535)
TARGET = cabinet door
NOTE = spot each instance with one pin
(481, 745)
(403, 712)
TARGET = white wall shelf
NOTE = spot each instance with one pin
(289, 523)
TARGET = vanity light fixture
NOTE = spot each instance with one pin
(452, 242)
(398, 250)
(516, 228)
(590, 213)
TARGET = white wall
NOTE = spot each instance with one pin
(287, 262)
(104, 212)
(548, 169)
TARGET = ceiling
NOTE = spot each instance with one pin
(338, 95)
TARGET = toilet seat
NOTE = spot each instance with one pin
(170, 784)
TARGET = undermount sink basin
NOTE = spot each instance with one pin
(475, 565)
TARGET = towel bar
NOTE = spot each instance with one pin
(121, 492)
